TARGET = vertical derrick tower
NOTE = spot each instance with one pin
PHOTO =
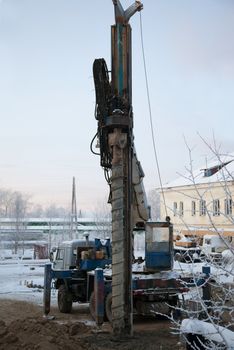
(115, 124)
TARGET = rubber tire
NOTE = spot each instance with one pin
(108, 307)
(92, 305)
(64, 300)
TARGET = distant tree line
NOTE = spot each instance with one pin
(15, 204)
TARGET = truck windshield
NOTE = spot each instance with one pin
(158, 239)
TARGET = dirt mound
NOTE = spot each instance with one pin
(39, 333)
(22, 326)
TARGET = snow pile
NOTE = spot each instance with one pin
(211, 332)
(184, 239)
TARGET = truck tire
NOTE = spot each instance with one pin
(108, 307)
(64, 300)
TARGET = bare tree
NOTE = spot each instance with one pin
(53, 211)
(6, 197)
(35, 211)
(102, 219)
(208, 307)
(19, 205)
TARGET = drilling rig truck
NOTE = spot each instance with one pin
(145, 287)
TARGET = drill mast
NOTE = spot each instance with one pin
(115, 124)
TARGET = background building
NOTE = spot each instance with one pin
(201, 201)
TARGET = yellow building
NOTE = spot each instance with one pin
(201, 201)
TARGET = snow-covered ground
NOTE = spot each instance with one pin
(15, 275)
(222, 274)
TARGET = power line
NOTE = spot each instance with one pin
(150, 114)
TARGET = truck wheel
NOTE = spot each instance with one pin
(64, 300)
(108, 307)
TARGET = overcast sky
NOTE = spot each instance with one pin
(47, 48)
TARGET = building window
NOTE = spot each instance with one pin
(193, 208)
(228, 206)
(202, 208)
(175, 208)
(181, 208)
(216, 207)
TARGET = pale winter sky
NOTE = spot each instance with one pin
(47, 98)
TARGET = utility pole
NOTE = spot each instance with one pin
(115, 136)
(73, 224)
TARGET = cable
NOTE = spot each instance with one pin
(150, 114)
(91, 145)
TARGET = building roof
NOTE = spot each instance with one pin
(219, 169)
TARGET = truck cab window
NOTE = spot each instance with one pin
(60, 254)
